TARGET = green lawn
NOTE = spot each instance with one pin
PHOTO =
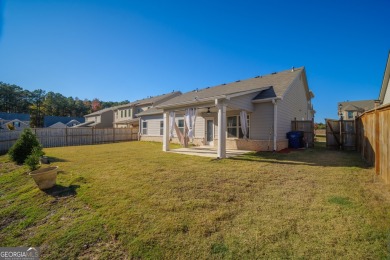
(131, 200)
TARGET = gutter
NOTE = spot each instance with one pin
(264, 100)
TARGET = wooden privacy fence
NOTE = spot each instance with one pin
(56, 137)
(373, 140)
(307, 127)
(340, 134)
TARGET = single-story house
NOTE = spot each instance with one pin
(252, 114)
(71, 123)
(125, 115)
(16, 124)
(384, 95)
(18, 120)
(50, 121)
(349, 110)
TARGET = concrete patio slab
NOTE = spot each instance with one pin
(206, 151)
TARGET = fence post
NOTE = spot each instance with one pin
(113, 134)
(66, 136)
(377, 150)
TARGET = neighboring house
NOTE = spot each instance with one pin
(253, 114)
(99, 119)
(384, 96)
(126, 115)
(50, 121)
(349, 110)
(71, 123)
(16, 123)
(17, 120)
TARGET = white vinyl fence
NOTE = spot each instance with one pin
(56, 137)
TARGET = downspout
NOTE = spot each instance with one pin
(275, 122)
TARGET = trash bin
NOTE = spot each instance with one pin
(295, 139)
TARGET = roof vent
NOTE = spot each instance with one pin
(292, 69)
(238, 80)
(257, 77)
(224, 84)
(207, 87)
(273, 73)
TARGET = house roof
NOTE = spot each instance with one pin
(12, 116)
(150, 111)
(90, 123)
(101, 111)
(360, 105)
(51, 120)
(274, 85)
(385, 82)
(58, 125)
(128, 121)
(150, 100)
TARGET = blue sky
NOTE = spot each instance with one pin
(115, 50)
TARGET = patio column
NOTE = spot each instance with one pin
(221, 150)
(166, 132)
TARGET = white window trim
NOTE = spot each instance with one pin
(238, 127)
(144, 129)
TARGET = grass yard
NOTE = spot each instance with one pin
(131, 200)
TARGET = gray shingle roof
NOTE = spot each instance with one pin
(278, 81)
(150, 111)
(101, 111)
(150, 100)
(360, 105)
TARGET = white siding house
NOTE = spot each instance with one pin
(384, 96)
(270, 103)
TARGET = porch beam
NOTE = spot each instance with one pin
(166, 132)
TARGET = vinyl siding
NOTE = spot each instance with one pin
(261, 121)
(293, 105)
(200, 127)
(153, 124)
(386, 99)
(242, 102)
(106, 119)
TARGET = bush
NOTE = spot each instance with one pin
(32, 161)
(24, 146)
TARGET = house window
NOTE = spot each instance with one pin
(144, 128)
(121, 113)
(181, 125)
(16, 124)
(161, 127)
(350, 114)
(125, 113)
(234, 127)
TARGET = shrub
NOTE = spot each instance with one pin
(24, 146)
(32, 161)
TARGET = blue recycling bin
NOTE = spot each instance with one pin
(295, 139)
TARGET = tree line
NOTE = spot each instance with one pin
(39, 103)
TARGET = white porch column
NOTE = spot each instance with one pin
(166, 132)
(221, 150)
(275, 123)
